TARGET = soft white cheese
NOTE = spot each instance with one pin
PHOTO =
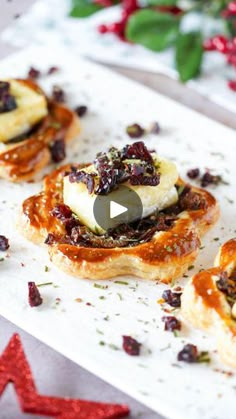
(31, 108)
(153, 198)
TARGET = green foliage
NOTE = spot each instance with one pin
(152, 29)
(189, 53)
(83, 8)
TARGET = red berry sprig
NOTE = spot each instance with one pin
(118, 28)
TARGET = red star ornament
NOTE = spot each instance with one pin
(14, 368)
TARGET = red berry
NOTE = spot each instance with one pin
(130, 5)
(208, 45)
(34, 296)
(131, 346)
(103, 3)
(232, 85)
(231, 59)
(221, 43)
(232, 7)
(102, 29)
(115, 27)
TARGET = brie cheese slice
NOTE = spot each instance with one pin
(31, 108)
(153, 198)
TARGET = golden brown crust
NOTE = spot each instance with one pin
(166, 256)
(23, 160)
(206, 307)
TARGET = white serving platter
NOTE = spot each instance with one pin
(175, 390)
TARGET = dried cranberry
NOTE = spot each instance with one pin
(171, 323)
(4, 87)
(172, 298)
(61, 212)
(193, 173)
(4, 243)
(82, 176)
(34, 296)
(131, 346)
(209, 179)
(145, 180)
(137, 150)
(7, 101)
(33, 73)
(53, 70)
(81, 110)
(135, 131)
(189, 354)
(58, 150)
(191, 201)
(50, 239)
(227, 285)
(58, 94)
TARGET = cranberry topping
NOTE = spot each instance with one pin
(52, 70)
(81, 110)
(82, 176)
(137, 150)
(227, 285)
(171, 323)
(63, 213)
(58, 150)
(33, 73)
(34, 296)
(131, 346)
(4, 244)
(191, 201)
(58, 94)
(7, 101)
(51, 239)
(145, 180)
(189, 354)
(172, 298)
(209, 179)
(116, 167)
(193, 173)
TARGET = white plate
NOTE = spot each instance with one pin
(75, 329)
(81, 35)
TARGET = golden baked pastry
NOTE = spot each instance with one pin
(209, 301)
(33, 129)
(160, 246)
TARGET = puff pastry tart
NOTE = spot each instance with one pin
(209, 301)
(33, 129)
(159, 245)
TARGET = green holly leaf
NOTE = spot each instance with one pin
(83, 8)
(152, 29)
(189, 53)
(162, 2)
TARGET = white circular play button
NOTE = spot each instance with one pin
(123, 205)
(116, 209)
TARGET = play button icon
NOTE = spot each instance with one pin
(116, 209)
(120, 206)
